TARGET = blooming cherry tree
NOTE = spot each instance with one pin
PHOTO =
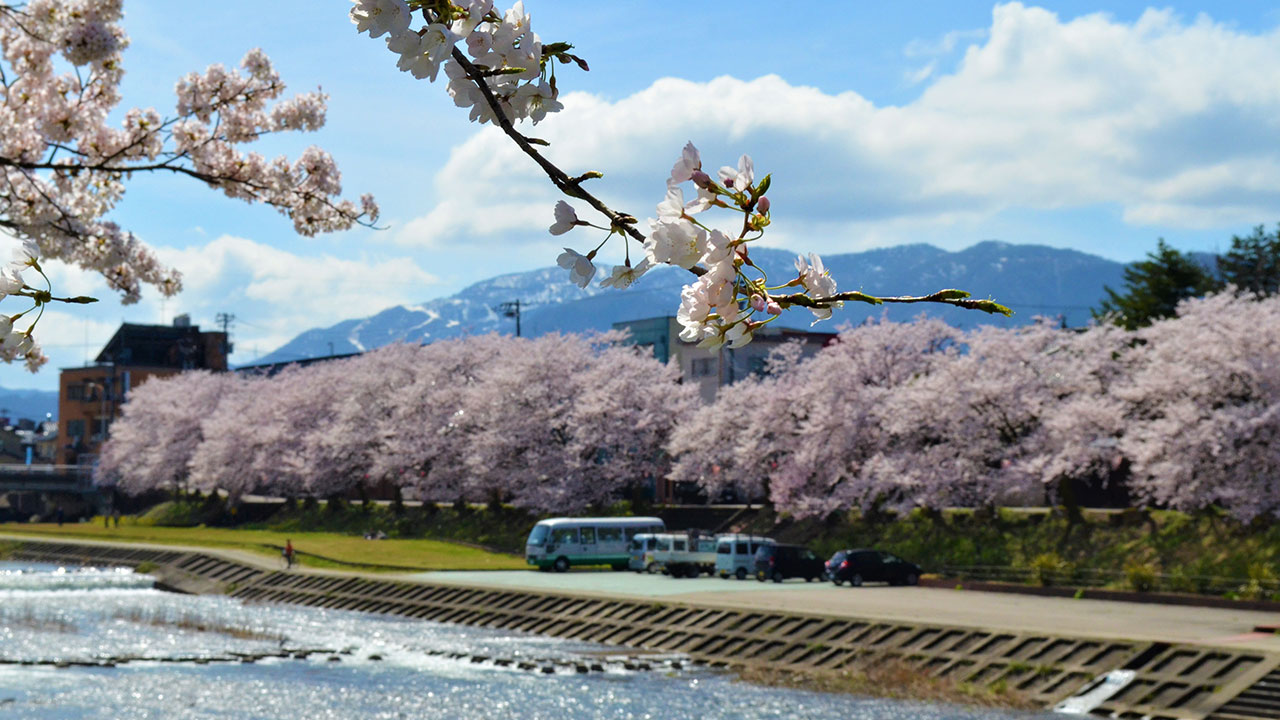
(1202, 407)
(153, 442)
(63, 168)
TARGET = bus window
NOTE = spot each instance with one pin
(724, 548)
(560, 536)
(609, 535)
(588, 536)
(679, 545)
(663, 544)
(742, 549)
(539, 535)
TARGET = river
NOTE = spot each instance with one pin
(102, 643)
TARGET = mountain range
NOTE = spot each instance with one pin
(1034, 280)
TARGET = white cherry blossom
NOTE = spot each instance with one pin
(566, 218)
(377, 17)
(815, 278)
(690, 161)
(624, 275)
(675, 242)
(580, 268)
(742, 178)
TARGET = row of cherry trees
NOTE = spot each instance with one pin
(1186, 413)
(557, 423)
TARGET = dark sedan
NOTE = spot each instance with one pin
(779, 562)
(861, 565)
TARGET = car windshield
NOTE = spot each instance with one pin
(539, 535)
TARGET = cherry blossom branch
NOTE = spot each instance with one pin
(571, 186)
(500, 69)
(956, 298)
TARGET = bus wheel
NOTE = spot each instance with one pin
(652, 568)
(742, 573)
(562, 564)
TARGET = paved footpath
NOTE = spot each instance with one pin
(965, 608)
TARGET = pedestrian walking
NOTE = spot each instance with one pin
(288, 554)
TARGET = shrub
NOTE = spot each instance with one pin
(1049, 569)
(1141, 576)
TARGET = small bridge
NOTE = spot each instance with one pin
(72, 479)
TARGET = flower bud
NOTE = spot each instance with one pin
(763, 205)
(758, 302)
(773, 308)
(701, 179)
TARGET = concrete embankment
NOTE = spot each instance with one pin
(1190, 670)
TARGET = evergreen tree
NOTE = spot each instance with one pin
(1155, 286)
(1253, 263)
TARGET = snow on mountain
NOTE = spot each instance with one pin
(1032, 279)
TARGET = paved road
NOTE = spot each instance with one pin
(1065, 616)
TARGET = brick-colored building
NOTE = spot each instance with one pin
(89, 398)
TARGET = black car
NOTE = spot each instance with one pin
(779, 562)
(862, 565)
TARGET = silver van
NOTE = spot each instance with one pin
(736, 554)
(641, 551)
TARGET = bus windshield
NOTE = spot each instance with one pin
(539, 535)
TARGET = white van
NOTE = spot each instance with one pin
(736, 554)
(558, 543)
(684, 554)
(641, 551)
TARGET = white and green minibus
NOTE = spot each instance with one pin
(559, 543)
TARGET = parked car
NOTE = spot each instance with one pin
(864, 565)
(779, 562)
(736, 554)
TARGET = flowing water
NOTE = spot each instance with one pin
(102, 643)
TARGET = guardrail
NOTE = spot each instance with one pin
(47, 478)
(13, 469)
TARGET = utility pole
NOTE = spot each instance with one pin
(511, 309)
(225, 320)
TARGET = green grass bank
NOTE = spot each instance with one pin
(1205, 553)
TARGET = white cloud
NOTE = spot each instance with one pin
(919, 75)
(1173, 122)
(944, 45)
(276, 294)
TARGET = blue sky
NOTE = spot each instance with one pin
(882, 123)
